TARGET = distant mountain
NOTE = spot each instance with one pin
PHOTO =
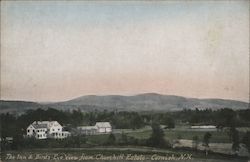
(141, 102)
(150, 101)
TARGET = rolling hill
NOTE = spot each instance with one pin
(150, 101)
(141, 102)
(18, 106)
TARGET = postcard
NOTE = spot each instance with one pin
(125, 81)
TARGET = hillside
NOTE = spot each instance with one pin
(18, 106)
(141, 102)
(150, 101)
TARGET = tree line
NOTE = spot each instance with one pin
(15, 125)
(12, 125)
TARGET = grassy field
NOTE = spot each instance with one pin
(179, 133)
(217, 136)
(97, 143)
(97, 139)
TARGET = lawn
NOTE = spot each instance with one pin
(174, 134)
(97, 139)
(217, 136)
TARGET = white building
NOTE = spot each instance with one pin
(203, 127)
(103, 127)
(99, 128)
(88, 130)
(46, 129)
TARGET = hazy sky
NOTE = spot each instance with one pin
(53, 51)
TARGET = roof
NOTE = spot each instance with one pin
(86, 127)
(37, 126)
(204, 127)
(44, 124)
(103, 124)
(41, 122)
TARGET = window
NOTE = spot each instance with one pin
(28, 130)
(37, 130)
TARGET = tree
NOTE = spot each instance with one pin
(76, 117)
(235, 139)
(206, 140)
(226, 117)
(244, 114)
(195, 142)
(246, 140)
(157, 136)
(195, 116)
(136, 121)
(169, 122)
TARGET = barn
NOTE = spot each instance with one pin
(103, 127)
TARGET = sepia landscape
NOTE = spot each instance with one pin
(146, 124)
(125, 81)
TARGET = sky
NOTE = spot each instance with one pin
(59, 50)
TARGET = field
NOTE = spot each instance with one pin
(180, 137)
(183, 132)
(220, 144)
(218, 137)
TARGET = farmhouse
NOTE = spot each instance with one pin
(46, 129)
(100, 127)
